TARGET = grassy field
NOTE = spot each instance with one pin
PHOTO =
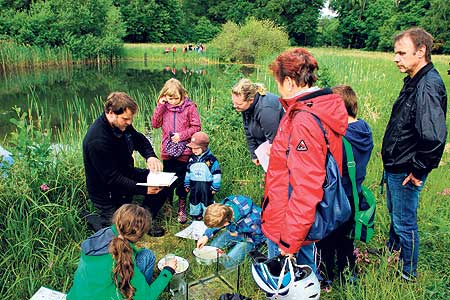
(41, 230)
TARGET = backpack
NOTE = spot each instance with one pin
(233, 296)
(365, 206)
(334, 209)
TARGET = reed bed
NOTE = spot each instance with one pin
(16, 56)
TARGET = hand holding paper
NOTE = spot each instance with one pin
(262, 153)
(159, 179)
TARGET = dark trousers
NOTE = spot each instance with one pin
(105, 208)
(105, 211)
(179, 168)
(338, 245)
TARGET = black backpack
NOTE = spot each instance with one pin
(235, 296)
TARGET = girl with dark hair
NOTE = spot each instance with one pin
(111, 267)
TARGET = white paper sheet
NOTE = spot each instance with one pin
(159, 179)
(193, 231)
(47, 294)
(261, 154)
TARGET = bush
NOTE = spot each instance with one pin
(251, 41)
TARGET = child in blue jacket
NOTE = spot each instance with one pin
(242, 221)
(338, 242)
(203, 176)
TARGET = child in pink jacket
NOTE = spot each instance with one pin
(179, 119)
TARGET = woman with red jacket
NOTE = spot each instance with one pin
(297, 160)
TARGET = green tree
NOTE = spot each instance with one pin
(152, 20)
(437, 22)
(170, 16)
(351, 24)
(139, 16)
(251, 41)
(301, 18)
(328, 32)
(205, 31)
(82, 26)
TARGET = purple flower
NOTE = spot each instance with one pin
(44, 187)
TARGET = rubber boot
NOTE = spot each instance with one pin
(182, 217)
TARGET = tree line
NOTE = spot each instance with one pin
(92, 28)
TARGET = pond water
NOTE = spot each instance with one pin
(54, 87)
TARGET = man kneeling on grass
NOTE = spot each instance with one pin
(242, 220)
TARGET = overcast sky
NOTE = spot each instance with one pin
(326, 12)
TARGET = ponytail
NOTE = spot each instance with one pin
(124, 268)
(248, 89)
(132, 222)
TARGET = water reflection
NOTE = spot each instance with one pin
(54, 87)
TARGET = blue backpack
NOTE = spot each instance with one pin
(334, 209)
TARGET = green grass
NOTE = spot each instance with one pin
(41, 231)
(152, 52)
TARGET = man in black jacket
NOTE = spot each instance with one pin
(413, 142)
(109, 165)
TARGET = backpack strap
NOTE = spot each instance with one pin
(351, 165)
(323, 129)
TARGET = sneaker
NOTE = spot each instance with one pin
(408, 277)
(156, 231)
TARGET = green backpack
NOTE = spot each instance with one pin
(363, 229)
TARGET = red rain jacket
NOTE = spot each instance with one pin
(297, 166)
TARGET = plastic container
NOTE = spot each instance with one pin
(207, 254)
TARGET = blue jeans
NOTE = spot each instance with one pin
(145, 261)
(239, 248)
(402, 203)
(305, 256)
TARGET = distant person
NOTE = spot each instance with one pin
(338, 242)
(261, 113)
(413, 142)
(112, 267)
(203, 176)
(109, 165)
(179, 119)
(241, 218)
(297, 171)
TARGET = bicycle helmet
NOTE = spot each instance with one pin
(283, 279)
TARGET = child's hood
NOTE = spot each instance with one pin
(360, 136)
(240, 205)
(98, 243)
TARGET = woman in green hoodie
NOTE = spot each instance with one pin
(112, 268)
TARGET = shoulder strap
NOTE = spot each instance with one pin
(323, 129)
(351, 165)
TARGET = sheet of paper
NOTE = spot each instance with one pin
(47, 294)
(261, 154)
(159, 179)
(193, 231)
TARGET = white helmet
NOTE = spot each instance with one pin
(282, 279)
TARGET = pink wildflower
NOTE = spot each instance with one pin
(44, 187)
(445, 192)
